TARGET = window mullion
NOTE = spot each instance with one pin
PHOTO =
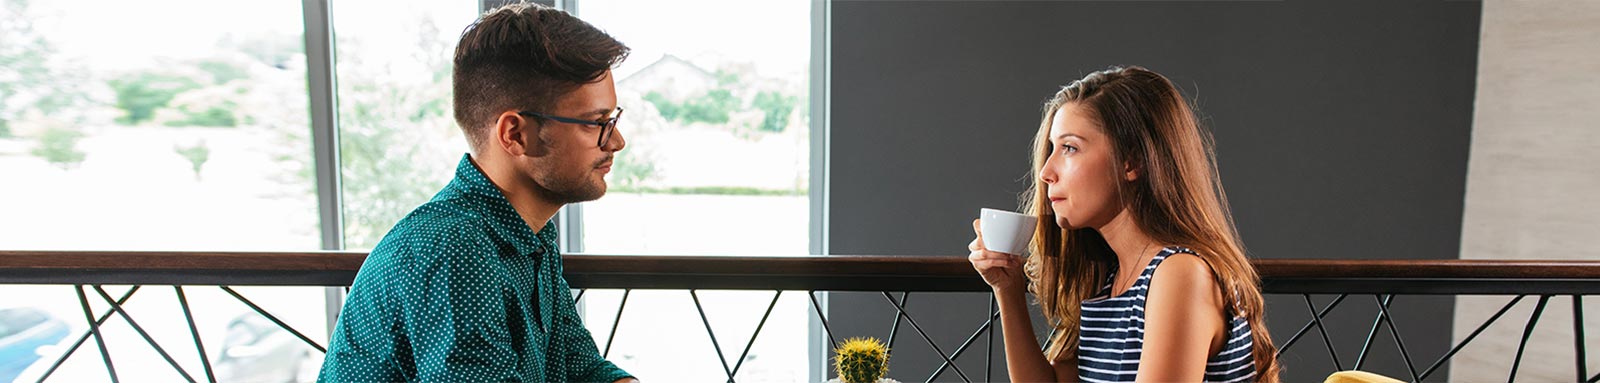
(821, 70)
(324, 135)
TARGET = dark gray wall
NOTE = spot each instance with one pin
(1342, 131)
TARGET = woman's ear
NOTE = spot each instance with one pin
(1131, 171)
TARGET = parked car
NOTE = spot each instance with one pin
(23, 330)
(257, 350)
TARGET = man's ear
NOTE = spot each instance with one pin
(517, 135)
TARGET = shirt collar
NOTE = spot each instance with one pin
(502, 218)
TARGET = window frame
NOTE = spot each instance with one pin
(322, 88)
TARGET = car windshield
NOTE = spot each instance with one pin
(13, 321)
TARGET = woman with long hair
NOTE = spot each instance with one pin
(1135, 256)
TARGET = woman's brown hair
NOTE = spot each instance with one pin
(1177, 200)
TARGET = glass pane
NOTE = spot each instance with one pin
(689, 86)
(660, 335)
(136, 126)
(139, 126)
(399, 143)
(717, 163)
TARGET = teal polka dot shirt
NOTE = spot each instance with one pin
(462, 290)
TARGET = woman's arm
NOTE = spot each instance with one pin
(1183, 321)
(1066, 369)
(1024, 361)
(1003, 273)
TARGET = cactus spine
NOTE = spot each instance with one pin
(861, 360)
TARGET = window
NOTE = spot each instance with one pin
(134, 126)
(138, 126)
(717, 163)
(399, 143)
(719, 136)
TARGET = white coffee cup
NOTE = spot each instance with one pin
(1005, 231)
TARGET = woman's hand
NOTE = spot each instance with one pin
(1003, 272)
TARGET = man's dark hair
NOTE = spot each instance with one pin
(524, 56)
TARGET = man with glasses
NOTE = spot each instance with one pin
(468, 287)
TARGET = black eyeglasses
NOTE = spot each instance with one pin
(606, 124)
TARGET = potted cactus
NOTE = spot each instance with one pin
(862, 360)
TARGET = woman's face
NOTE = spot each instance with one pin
(1080, 177)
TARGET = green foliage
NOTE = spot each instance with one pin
(223, 71)
(213, 117)
(220, 114)
(59, 146)
(717, 105)
(861, 360)
(713, 107)
(777, 107)
(394, 149)
(140, 94)
(31, 78)
(213, 104)
(726, 78)
(632, 167)
(197, 155)
(666, 107)
(398, 139)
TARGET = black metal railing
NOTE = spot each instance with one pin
(1383, 280)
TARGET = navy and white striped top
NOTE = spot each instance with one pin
(1111, 335)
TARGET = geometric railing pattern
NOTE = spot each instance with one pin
(1381, 284)
(1383, 320)
(898, 279)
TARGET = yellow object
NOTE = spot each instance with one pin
(861, 360)
(1354, 376)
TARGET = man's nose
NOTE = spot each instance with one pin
(616, 142)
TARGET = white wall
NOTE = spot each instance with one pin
(1533, 181)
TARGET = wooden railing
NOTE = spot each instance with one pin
(1382, 279)
(836, 272)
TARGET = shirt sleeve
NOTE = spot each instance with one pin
(584, 363)
(453, 312)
